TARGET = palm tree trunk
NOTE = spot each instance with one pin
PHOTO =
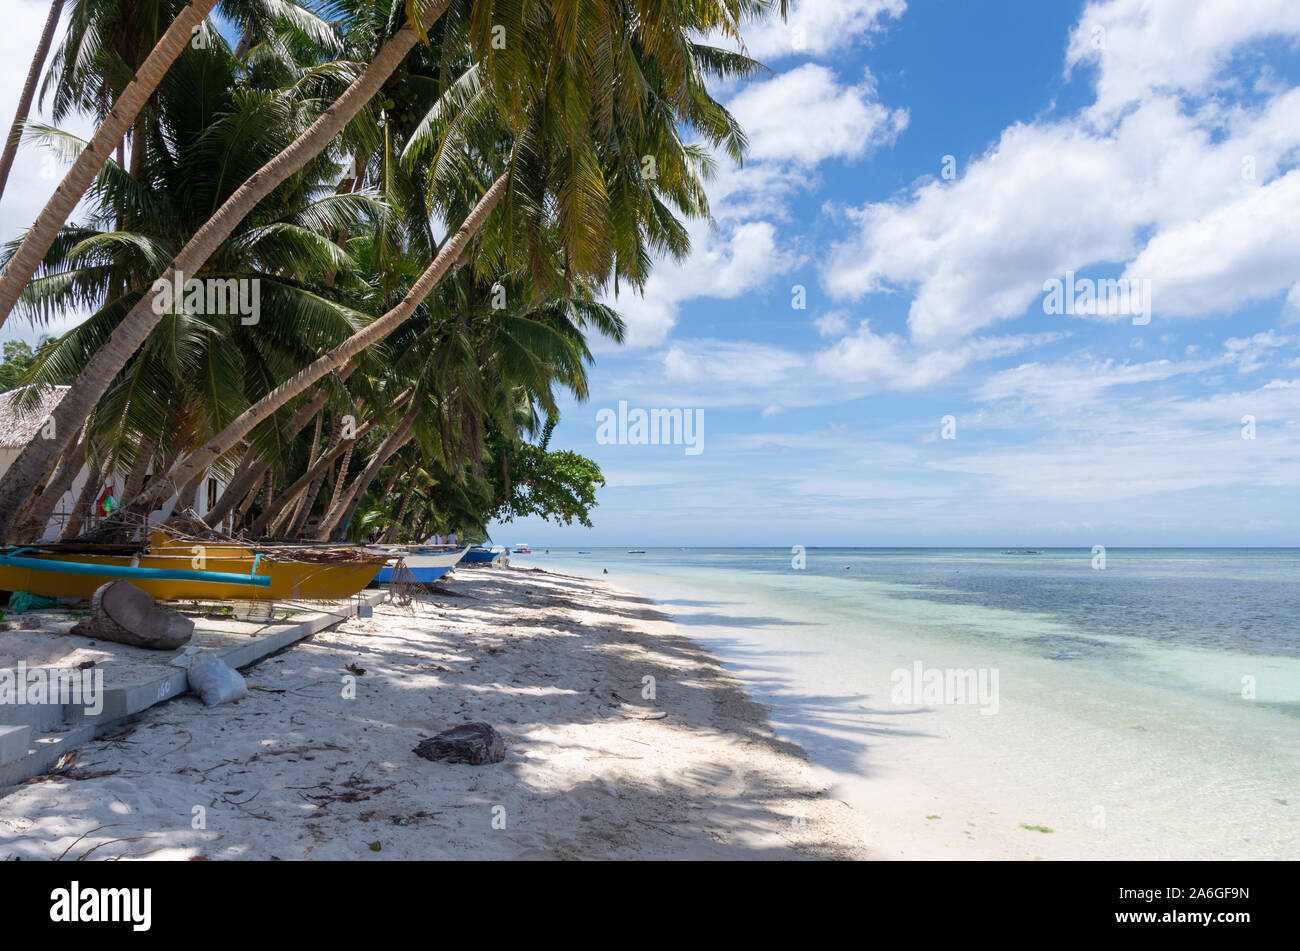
(94, 379)
(29, 91)
(372, 333)
(339, 482)
(32, 524)
(348, 504)
(137, 92)
(311, 461)
(314, 474)
(308, 500)
(401, 512)
(94, 480)
(135, 478)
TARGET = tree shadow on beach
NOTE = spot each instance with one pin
(342, 772)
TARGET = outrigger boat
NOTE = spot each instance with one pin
(480, 555)
(175, 569)
(422, 563)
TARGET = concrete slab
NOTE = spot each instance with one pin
(14, 741)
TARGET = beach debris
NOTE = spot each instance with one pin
(122, 613)
(214, 680)
(359, 671)
(474, 743)
(376, 847)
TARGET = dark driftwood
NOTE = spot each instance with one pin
(122, 613)
(473, 743)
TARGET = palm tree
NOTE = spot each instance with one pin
(198, 371)
(26, 471)
(558, 150)
(97, 151)
(29, 91)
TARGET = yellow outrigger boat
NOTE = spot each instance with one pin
(172, 569)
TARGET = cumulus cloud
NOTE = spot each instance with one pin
(1194, 198)
(1143, 46)
(818, 27)
(806, 116)
(723, 264)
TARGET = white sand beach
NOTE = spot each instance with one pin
(299, 770)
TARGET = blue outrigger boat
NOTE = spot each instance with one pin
(479, 555)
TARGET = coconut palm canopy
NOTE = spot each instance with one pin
(347, 254)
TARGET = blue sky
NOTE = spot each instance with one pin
(1110, 139)
(1146, 140)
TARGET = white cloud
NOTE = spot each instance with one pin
(817, 27)
(1144, 46)
(1056, 196)
(723, 264)
(722, 363)
(887, 361)
(832, 324)
(1246, 249)
(805, 116)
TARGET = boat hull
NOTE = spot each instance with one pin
(290, 580)
(422, 568)
(479, 556)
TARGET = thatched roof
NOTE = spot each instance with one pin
(19, 425)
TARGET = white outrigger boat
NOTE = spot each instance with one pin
(422, 563)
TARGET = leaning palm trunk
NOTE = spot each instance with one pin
(313, 474)
(291, 515)
(373, 333)
(31, 526)
(106, 138)
(401, 512)
(347, 505)
(308, 499)
(29, 91)
(99, 372)
(135, 478)
(340, 481)
(252, 469)
(81, 508)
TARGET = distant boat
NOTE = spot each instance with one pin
(422, 563)
(584, 553)
(636, 551)
(522, 549)
(1023, 551)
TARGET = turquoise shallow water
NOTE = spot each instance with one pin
(1175, 674)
